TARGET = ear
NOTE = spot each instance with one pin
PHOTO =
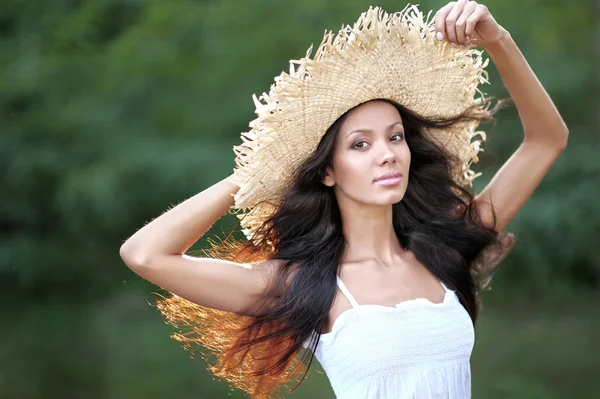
(328, 179)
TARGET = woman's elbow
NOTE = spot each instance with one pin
(133, 258)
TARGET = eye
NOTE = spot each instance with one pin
(355, 145)
(401, 135)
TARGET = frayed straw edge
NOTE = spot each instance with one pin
(416, 28)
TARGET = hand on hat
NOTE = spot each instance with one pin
(463, 21)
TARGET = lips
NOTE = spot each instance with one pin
(389, 175)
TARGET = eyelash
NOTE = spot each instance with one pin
(361, 141)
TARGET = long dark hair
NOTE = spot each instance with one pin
(436, 220)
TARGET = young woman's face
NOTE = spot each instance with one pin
(370, 143)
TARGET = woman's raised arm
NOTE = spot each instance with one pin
(156, 252)
(545, 132)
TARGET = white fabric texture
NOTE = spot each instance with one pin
(417, 349)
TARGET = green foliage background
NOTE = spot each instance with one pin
(112, 110)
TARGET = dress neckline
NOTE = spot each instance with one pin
(403, 305)
(354, 302)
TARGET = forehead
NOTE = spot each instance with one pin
(372, 115)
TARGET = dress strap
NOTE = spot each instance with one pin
(346, 292)
(444, 286)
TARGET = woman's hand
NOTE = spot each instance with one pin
(463, 21)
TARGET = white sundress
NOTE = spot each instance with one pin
(417, 349)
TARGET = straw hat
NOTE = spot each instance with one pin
(390, 56)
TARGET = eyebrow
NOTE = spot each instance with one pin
(371, 131)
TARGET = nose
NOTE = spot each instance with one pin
(388, 156)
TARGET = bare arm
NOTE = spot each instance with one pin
(545, 137)
(176, 230)
(545, 132)
(156, 252)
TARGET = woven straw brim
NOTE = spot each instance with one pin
(383, 56)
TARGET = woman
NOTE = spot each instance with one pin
(365, 243)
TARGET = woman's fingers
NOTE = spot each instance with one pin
(480, 11)
(461, 23)
(457, 19)
(451, 20)
(440, 19)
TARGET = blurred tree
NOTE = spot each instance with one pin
(111, 110)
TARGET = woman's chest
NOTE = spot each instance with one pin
(418, 333)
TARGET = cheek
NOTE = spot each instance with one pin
(353, 172)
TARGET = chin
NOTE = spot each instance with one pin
(397, 196)
(397, 199)
(389, 198)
